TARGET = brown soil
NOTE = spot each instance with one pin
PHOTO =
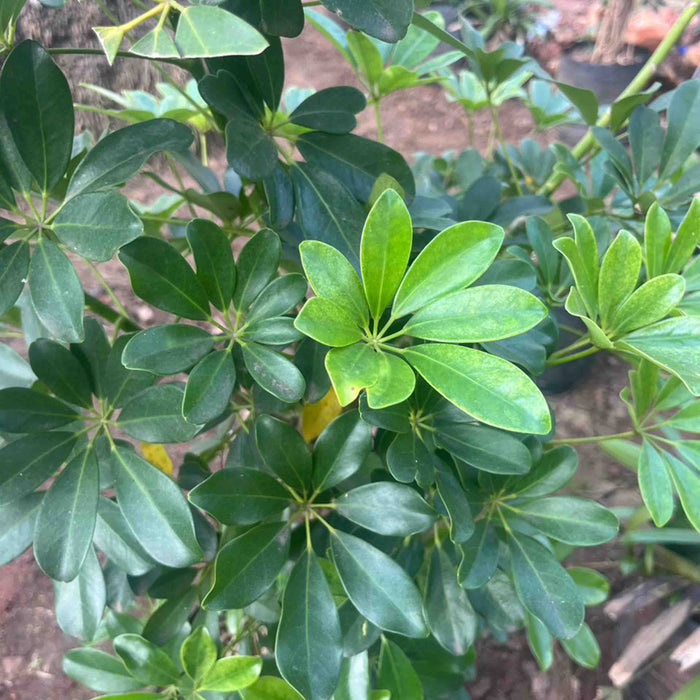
(31, 645)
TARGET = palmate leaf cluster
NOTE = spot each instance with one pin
(345, 358)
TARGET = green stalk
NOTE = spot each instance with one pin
(588, 145)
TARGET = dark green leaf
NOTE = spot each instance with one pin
(407, 456)
(583, 99)
(17, 520)
(309, 649)
(682, 137)
(27, 411)
(37, 103)
(145, 661)
(155, 415)
(167, 349)
(155, 510)
(96, 224)
(331, 110)
(122, 384)
(257, 264)
(655, 484)
(66, 520)
(479, 557)
(162, 277)
(99, 671)
(594, 587)
(553, 470)
(209, 388)
(121, 154)
(250, 150)
(457, 506)
(284, 451)
(544, 586)
(377, 586)
(274, 372)
(167, 620)
(539, 640)
(57, 295)
(14, 265)
(278, 297)
(387, 21)
(247, 566)
(396, 674)
(240, 496)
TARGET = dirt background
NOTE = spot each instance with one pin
(31, 645)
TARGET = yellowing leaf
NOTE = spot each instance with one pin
(157, 456)
(316, 416)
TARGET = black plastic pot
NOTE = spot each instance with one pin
(607, 81)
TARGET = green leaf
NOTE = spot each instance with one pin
(366, 54)
(646, 138)
(274, 372)
(572, 520)
(352, 369)
(407, 457)
(354, 681)
(198, 654)
(240, 496)
(326, 211)
(167, 349)
(155, 44)
(162, 277)
(204, 30)
(384, 251)
(655, 484)
(250, 150)
(386, 21)
(145, 661)
(479, 557)
(544, 586)
(282, 18)
(387, 508)
(340, 450)
(357, 162)
(553, 470)
(583, 647)
(581, 253)
(487, 387)
(673, 345)
(687, 483)
(114, 537)
(583, 99)
(458, 509)
(64, 527)
(619, 273)
(327, 323)
(57, 295)
(395, 382)
(168, 619)
(37, 104)
(98, 670)
(271, 331)
(26, 463)
(270, 688)
(110, 39)
(17, 520)
(80, 603)
(14, 265)
(377, 586)
(61, 371)
(27, 411)
(657, 239)
(257, 265)
(278, 297)
(155, 415)
(209, 388)
(120, 155)
(331, 110)
(231, 674)
(681, 135)
(396, 674)
(93, 353)
(485, 448)
(452, 260)
(155, 509)
(450, 616)
(309, 648)
(247, 566)
(484, 313)
(284, 451)
(650, 303)
(14, 369)
(594, 587)
(686, 239)
(539, 640)
(216, 270)
(96, 224)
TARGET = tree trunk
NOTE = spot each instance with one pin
(611, 33)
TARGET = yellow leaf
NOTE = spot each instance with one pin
(157, 456)
(316, 416)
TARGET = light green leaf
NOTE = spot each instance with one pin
(232, 673)
(99, 671)
(270, 688)
(583, 647)
(198, 654)
(395, 382)
(352, 369)
(452, 260)
(657, 240)
(384, 250)
(487, 387)
(327, 323)
(155, 44)
(619, 273)
(655, 484)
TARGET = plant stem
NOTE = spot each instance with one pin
(109, 314)
(574, 346)
(122, 54)
(499, 137)
(588, 144)
(593, 438)
(120, 307)
(378, 120)
(570, 358)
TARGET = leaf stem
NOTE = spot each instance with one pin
(571, 358)
(593, 438)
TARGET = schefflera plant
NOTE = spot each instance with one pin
(434, 315)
